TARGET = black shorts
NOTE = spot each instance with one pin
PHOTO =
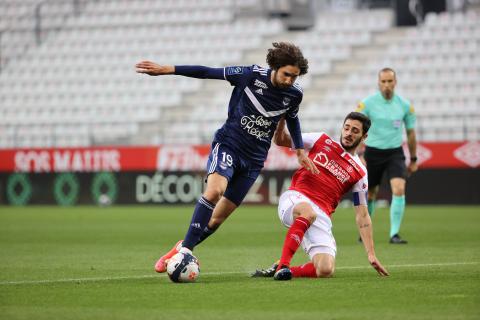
(390, 161)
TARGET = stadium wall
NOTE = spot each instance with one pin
(448, 174)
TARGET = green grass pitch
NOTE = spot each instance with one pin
(97, 263)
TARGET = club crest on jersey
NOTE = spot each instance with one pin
(234, 70)
(332, 166)
(286, 101)
(260, 84)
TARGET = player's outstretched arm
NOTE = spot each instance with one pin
(199, 72)
(364, 224)
(153, 69)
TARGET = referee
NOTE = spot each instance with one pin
(389, 113)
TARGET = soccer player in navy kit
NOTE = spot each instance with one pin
(260, 98)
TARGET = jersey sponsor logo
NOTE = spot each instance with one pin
(259, 91)
(332, 166)
(256, 125)
(337, 171)
(234, 70)
(260, 84)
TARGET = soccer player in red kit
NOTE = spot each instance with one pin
(307, 206)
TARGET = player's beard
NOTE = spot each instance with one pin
(387, 94)
(353, 146)
(277, 83)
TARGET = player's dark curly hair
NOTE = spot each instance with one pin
(366, 123)
(285, 54)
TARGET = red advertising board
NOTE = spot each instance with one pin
(194, 158)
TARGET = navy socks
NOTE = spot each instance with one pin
(201, 216)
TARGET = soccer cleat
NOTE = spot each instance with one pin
(265, 273)
(161, 265)
(396, 239)
(284, 273)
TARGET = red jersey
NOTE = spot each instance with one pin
(340, 172)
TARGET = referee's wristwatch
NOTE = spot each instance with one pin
(413, 159)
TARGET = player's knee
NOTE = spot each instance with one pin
(398, 191)
(325, 271)
(310, 216)
(213, 194)
(324, 266)
(398, 186)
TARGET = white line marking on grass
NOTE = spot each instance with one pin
(446, 264)
(149, 276)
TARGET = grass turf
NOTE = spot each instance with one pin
(96, 263)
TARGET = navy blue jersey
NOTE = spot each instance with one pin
(254, 110)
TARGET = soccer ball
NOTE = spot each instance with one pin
(183, 267)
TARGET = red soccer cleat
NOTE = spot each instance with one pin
(161, 265)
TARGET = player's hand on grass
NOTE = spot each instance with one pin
(306, 162)
(153, 69)
(378, 266)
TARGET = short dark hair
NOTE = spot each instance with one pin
(366, 123)
(286, 54)
(388, 70)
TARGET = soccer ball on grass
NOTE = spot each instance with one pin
(183, 267)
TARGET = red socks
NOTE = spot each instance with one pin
(306, 270)
(293, 239)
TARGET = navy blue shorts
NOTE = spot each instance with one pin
(240, 173)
